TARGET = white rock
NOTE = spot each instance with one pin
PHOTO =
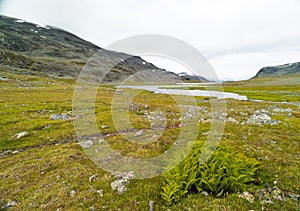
(100, 192)
(139, 133)
(123, 179)
(93, 178)
(101, 141)
(86, 144)
(72, 193)
(246, 195)
(11, 203)
(22, 134)
(120, 185)
(60, 117)
(151, 203)
(232, 120)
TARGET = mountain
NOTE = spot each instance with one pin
(281, 70)
(34, 49)
(188, 77)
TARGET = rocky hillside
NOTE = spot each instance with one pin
(281, 70)
(45, 50)
(189, 77)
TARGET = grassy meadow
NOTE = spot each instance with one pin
(48, 170)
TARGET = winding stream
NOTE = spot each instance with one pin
(174, 91)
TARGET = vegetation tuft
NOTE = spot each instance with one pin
(225, 172)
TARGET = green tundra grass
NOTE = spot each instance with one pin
(44, 166)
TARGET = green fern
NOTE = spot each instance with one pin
(225, 172)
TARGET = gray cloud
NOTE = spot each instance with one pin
(226, 32)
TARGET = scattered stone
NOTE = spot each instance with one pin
(273, 142)
(100, 192)
(246, 195)
(60, 117)
(101, 141)
(120, 185)
(151, 207)
(260, 119)
(207, 121)
(176, 144)
(139, 133)
(47, 127)
(7, 152)
(92, 208)
(72, 193)
(86, 144)
(232, 120)
(295, 197)
(104, 127)
(126, 175)
(93, 178)
(11, 204)
(2, 78)
(277, 109)
(20, 135)
(266, 201)
(122, 180)
(278, 194)
(266, 194)
(204, 193)
(244, 137)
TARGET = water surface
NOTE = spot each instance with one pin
(174, 91)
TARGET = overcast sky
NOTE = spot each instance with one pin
(238, 37)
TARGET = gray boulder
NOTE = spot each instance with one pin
(122, 180)
(60, 117)
(260, 119)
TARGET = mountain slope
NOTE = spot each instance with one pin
(281, 70)
(189, 77)
(44, 50)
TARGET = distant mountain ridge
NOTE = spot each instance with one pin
(191, 77)
(45, 50)
(280, 70)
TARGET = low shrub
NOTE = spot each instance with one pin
(225, 172)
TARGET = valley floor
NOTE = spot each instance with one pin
(42, 166)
